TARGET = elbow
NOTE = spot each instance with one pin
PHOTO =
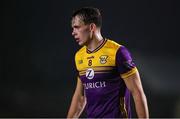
(138, 95)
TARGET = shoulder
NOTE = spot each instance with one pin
(80, 52)
(112, 44)
(79, 57)
(118, 48)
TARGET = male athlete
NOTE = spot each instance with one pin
(107, 74)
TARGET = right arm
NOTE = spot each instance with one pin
(78, 101)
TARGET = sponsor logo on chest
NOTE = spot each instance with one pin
(90, 73)
(98, 84)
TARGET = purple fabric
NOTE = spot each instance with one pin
(103, 94)
(103, 90)
(124, 61)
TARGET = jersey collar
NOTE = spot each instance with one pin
(98, 48)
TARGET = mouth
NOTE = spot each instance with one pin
(77, 39)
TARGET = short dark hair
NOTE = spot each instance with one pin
(89, 15)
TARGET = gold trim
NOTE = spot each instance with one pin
(99, 68)
(101, 72)
(103, 69)
(123, 107)
(129, 73)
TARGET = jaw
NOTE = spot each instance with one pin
(81, 43)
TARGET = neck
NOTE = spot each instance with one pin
(96, 41)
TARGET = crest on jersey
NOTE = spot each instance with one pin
(90, 73)
(103, 59)
(80, 61)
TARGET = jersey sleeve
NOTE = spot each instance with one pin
(124, 62)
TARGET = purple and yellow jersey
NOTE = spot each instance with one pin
(101, 73)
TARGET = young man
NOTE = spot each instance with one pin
(107, 74)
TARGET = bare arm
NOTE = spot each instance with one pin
(133, 83)
(78, 101)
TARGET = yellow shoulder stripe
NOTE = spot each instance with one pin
(129, 73)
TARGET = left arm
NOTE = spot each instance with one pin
(130, 75)
(134, 85)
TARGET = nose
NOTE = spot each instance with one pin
(73, 32)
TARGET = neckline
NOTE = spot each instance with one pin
(98, 48)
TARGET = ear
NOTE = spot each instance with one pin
(92, 27)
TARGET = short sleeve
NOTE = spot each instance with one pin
(124, 62)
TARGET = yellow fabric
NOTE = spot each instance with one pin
(82, 59)
(129, 73)
(109, 52)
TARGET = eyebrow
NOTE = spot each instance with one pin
(76, 26)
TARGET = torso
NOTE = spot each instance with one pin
(102, 83)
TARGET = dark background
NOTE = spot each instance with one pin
(37, 72)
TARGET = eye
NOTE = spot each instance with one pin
(77, 27)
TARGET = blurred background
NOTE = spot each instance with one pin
(37, 72)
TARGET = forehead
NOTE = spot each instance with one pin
(77, 21)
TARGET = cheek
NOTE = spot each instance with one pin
(85, 33)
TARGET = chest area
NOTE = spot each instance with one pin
(101, 59)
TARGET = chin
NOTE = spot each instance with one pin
(81, 44)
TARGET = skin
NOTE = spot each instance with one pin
(90, 36)
(78, 101)
(133, 83)
(86, 34)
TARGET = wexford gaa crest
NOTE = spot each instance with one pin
(103, 59)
